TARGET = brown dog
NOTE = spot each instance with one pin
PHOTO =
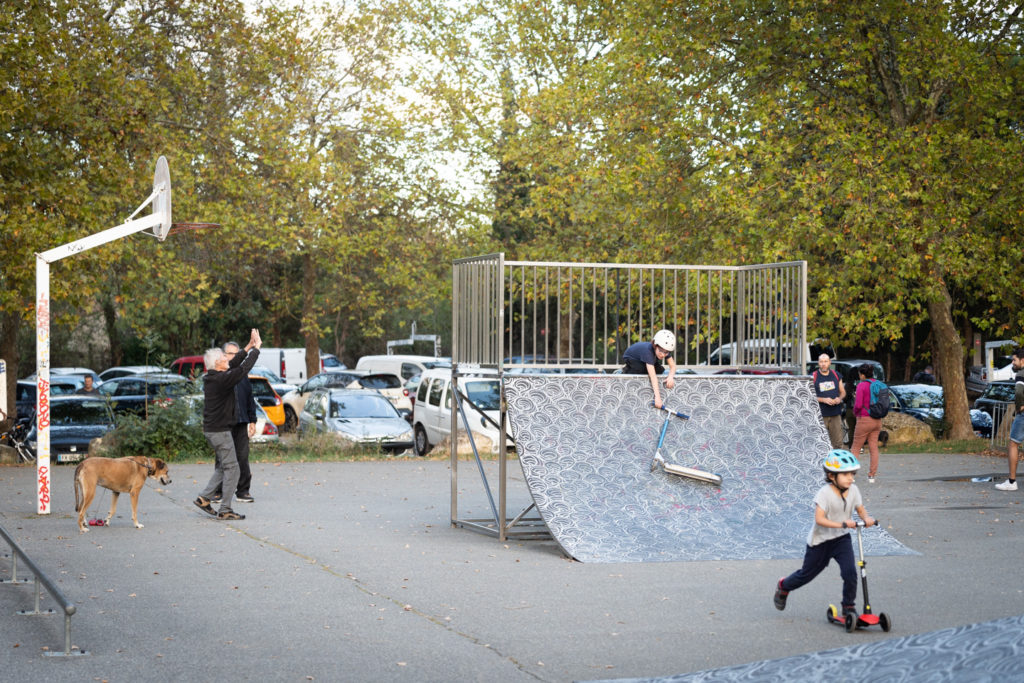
(120, 475)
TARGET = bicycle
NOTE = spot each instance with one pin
(15, 438)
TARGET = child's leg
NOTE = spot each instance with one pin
(815, 560)
(842, 551)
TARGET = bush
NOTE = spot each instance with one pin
(169, 433)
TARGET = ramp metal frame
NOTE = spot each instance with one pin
(559, 317)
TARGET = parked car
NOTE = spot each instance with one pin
(189, 366)
(410, 387)
(266, 430)
(25, 394)
(132, 393)
(74, 422)
(925, 402)
(69, 372)
(356, 416)
(432, 411)
(280, 386)
(290, 363)
(390, 386)
(267, 398)
(294, 401)
(403, 365)
(997, 401)
(124, 370)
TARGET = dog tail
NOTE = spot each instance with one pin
(78, 487)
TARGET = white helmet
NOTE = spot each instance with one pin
(666, 340)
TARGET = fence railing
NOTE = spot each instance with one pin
(520, 314)
(41, 581)
(1000, 437)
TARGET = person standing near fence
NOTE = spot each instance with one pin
(1017, 426)
(831, 393)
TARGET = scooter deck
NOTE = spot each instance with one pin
(691, 473)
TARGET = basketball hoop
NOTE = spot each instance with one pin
(162, 198)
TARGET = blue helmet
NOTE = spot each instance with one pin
(840, 460)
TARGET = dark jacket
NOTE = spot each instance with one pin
(219, 392)
(245, 406)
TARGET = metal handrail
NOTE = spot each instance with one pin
(41, 579)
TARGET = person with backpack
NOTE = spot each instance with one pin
(1017, 426)
(831, 393)
(870, 405)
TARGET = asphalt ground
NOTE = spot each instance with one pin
(352, 572)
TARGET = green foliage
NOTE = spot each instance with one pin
(169, 432)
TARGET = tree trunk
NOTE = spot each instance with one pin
(110, 322)
(310, 329)
(948, 361)
(9, 325)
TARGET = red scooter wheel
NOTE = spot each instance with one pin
(883, 621)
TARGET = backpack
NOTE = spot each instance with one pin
(878, 407)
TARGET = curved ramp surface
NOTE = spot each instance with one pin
(586, 442)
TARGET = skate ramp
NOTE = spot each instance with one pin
(585, 443)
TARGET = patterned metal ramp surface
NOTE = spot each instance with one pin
(990, 651)
(585, 443)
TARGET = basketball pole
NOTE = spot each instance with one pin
(160, 222)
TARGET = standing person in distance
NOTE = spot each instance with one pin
(831, 393)
(645, 358)
(926, 376)
(219, 419)
(1017, 426)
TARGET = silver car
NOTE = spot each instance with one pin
(357, 416)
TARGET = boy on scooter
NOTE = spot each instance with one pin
(829, 537)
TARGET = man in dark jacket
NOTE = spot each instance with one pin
(244, 429)
(220, 417)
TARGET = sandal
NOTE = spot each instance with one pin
(205, 506)
(229, 514)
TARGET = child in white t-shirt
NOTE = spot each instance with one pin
(829, 537)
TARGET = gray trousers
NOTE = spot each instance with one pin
(225, 469)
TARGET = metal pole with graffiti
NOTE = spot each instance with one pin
(160, 223)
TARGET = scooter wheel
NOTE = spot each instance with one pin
(851, 623)
(883, 621)
(832, 614)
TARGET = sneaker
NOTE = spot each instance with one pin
(871, 480)
(245, 499)
(849, 610)
(215, 498)
(780, 596)
(205, 506)
(229, 515)
(1007, 486)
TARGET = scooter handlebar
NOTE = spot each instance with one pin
(672, 412)
(860, 523)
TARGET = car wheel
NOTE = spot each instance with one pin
(290, 420)
(420, 443)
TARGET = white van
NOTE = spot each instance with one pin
(432, 410)
(766, 352)
(290, 363)
(405, 366)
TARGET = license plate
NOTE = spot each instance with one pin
(69, 457)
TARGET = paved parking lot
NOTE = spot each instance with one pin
(351, 572)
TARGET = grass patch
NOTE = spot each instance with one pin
(963, 446)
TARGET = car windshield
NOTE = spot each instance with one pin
(330, 362)
(269, 374)
(919, 397)
(262, 389)
(380, 382)
(485, 394)
(367, 406)
(79, 413)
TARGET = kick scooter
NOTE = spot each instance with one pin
(679, 470)
(854, 621)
